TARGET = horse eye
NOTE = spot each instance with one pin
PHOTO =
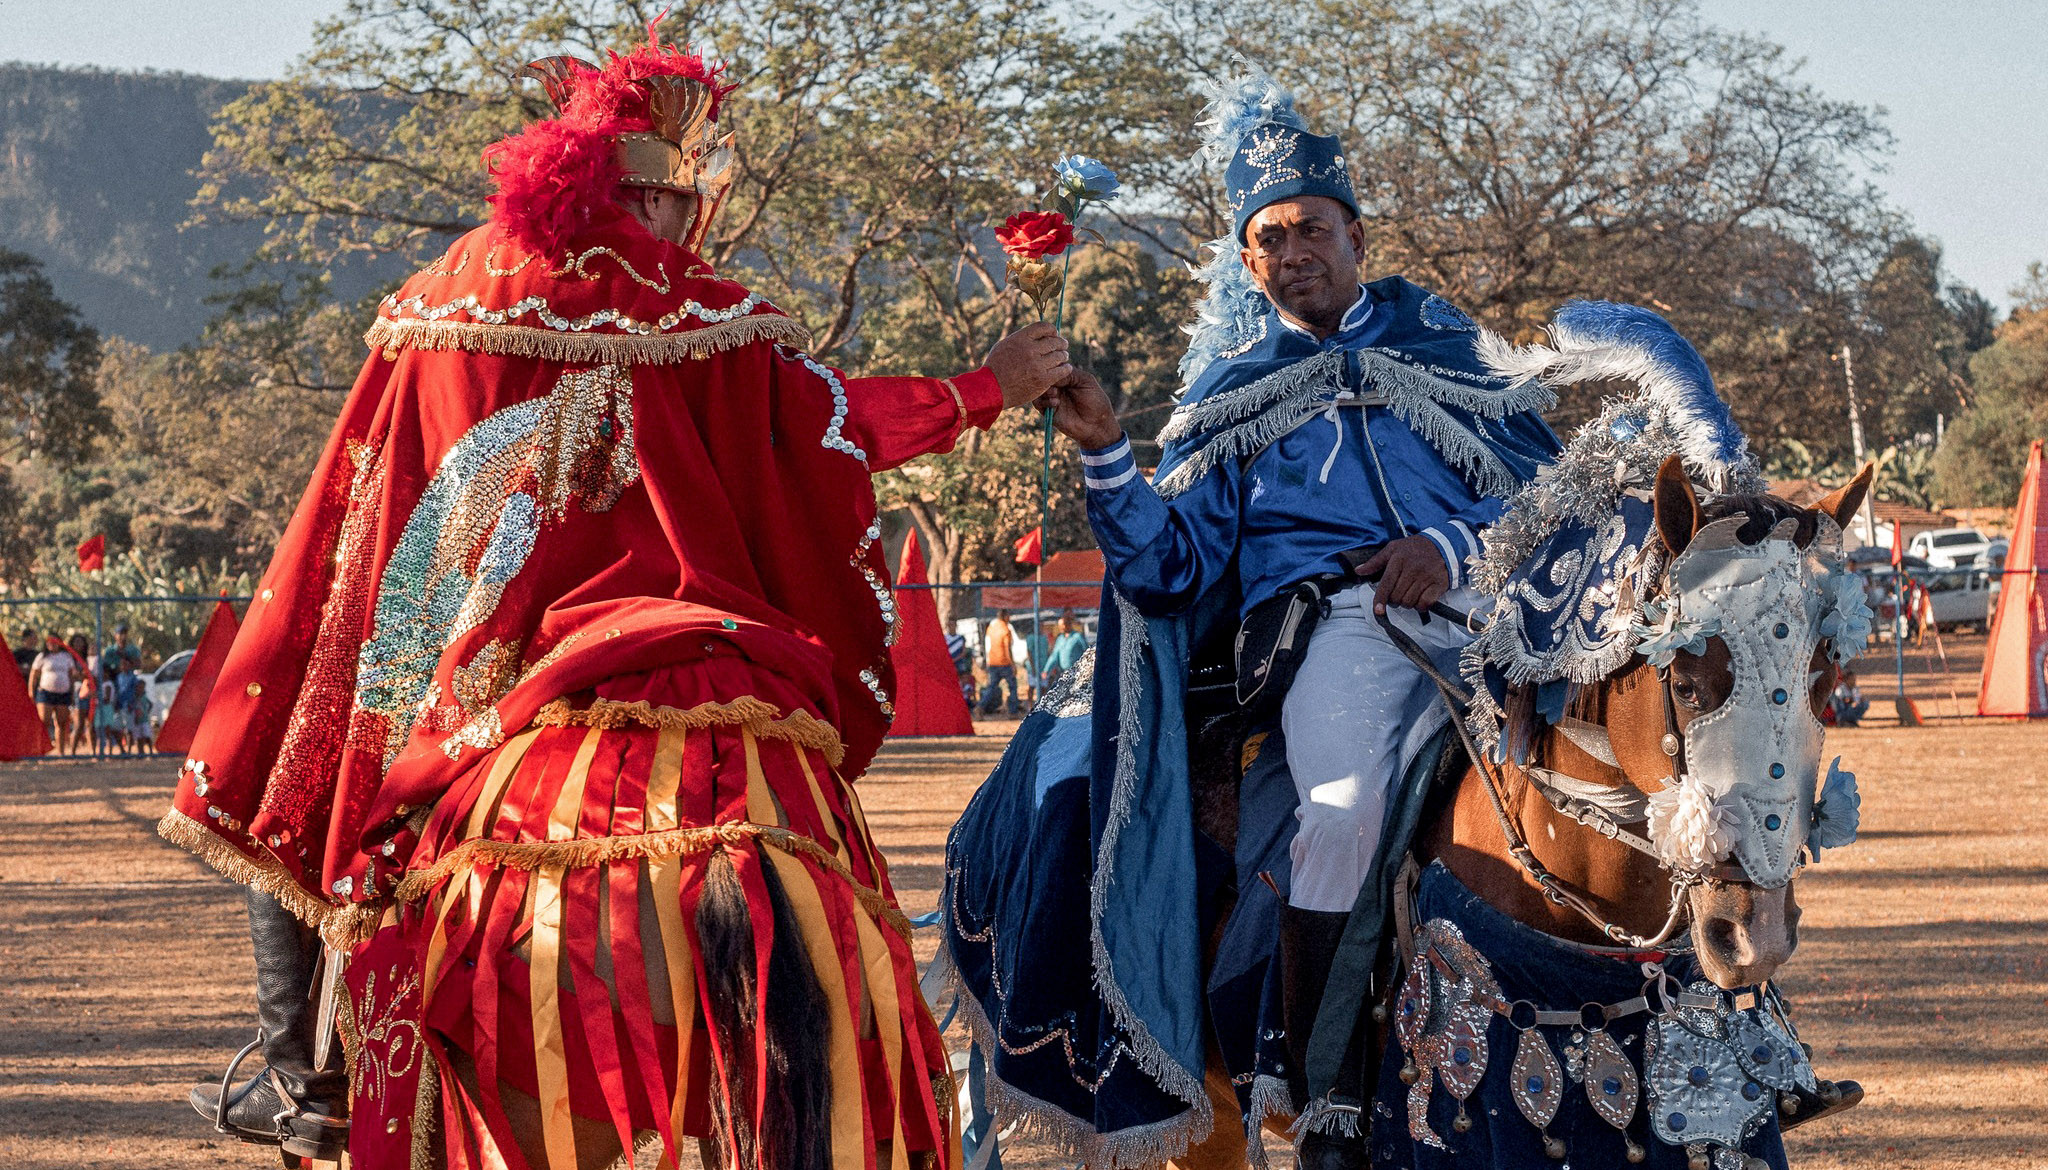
(1687, 693)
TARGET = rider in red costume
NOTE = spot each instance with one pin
(561, 674)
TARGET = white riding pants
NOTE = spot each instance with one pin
(1354, 718)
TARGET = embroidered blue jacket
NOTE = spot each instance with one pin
(1388, 435)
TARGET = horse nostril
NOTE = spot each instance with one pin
(1720, 934)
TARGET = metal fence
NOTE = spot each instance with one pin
(159, 625)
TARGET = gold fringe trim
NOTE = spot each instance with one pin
(536, 855)
(426, 1107)
(546, 344)
(762, 720)
(268, 876)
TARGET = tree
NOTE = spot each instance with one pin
(1515, 155)
(1984, 452)
(48, 358)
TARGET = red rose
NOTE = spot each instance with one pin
(1034, 235)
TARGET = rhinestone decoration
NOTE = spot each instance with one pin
(1538, 1081)
(1442, 1021)
(1612, 1085)
(472, 531)
(835, 439)
(537, 306)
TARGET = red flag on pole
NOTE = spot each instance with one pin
(197, 686)
(92, 555)
(1031, 547)
(1898, 545)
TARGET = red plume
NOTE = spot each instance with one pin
(550, 177)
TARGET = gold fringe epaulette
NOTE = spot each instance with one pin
(588, 851)
(533, 341)
(764, 720)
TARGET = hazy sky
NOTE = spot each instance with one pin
(1964, 85)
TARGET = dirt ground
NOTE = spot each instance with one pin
(1923, 969)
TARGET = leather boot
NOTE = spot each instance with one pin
(292, 1103)
(1308, 946)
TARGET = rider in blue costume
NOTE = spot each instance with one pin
(1324, 417)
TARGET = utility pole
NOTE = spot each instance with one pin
(1870, 527)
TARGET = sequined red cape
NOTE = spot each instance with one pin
(548, 476)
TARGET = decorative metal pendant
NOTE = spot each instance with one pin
(1611, 1082)
(1538, 1082)
(1766, 1058)
(1441, 1019)
(1698, 1092)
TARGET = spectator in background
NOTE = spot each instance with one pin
(131, 699)
(25, 651)
(83, 696)
(999, 655)
(1068, 644)
(109, 723)
(53, 675)
(1847, 702)
(123, 650)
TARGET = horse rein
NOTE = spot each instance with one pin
(1554, 888)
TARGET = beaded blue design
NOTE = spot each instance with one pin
(1438, 313)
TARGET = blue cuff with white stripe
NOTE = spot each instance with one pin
(1110, 467)
(1456, 541)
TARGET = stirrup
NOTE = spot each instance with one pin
(300, 1135)
(227, 1084)
(1828, 1099)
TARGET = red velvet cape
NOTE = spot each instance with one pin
(546, 476)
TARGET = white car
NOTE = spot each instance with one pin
(1950, 548)
(161, 685)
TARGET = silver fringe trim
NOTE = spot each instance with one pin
(1337, 1120)
(1258, 414)
(1270, 1098)
(1147, 1051)
(1128, 1149)
(1325, 371)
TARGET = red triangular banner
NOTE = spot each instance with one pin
(92, 554)
(1031, 547)
(928, 698)
(2016, 656)
(21, 729)
(197, 687)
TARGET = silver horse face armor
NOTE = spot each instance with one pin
(1752, 763)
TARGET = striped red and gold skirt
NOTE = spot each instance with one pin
(655, 916)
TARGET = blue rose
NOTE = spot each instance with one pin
(1084, 179)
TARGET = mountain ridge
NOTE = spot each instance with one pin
(96, 181)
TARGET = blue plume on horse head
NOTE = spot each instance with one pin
(1605, 339)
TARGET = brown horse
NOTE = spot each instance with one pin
(1569, 875)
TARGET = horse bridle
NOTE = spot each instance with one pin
(1556, 889)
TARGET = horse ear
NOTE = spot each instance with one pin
(1843, 501)
(1678, 507)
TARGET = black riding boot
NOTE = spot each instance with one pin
(291, 1103)
(1308, 946)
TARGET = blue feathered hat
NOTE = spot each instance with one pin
(1276, 161)
(1244, 112)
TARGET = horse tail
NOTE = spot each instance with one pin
(793, 1079)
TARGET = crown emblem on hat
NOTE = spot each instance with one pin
(682, 151)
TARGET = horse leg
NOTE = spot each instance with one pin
(597, 1142)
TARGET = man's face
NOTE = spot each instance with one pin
(1305, 254)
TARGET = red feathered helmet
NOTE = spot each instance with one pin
(645, 119)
